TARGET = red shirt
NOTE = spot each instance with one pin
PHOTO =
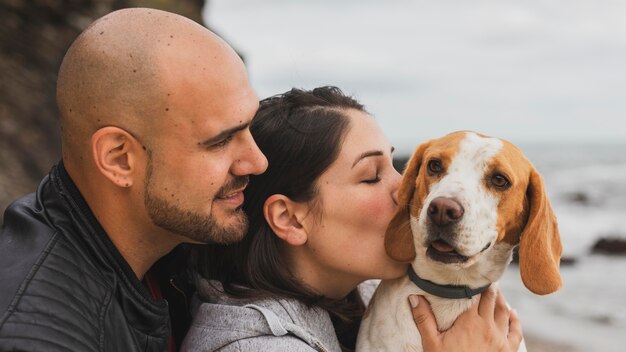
(152, 285)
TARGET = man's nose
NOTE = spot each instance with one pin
(251, 161)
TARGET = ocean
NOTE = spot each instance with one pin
(587, 187)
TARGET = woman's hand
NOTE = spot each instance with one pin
(488, 325)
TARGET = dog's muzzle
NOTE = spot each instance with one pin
(444, 212)
(443, 215)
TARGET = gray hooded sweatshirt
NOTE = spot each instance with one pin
(226, 324)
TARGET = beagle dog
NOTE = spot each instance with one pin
(465, 201)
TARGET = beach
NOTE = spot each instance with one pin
(537, 344)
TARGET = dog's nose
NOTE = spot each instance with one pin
(444, 211)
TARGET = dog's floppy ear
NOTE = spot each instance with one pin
(540, 245)
(398, 237)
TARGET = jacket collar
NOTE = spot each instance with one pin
(137, 300)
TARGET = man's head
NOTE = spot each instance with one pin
(155, 112)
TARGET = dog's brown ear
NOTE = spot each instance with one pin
(398, 237)
(540, 245)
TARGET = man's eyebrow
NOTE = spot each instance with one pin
(224, 134)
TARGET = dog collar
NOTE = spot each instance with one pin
(445, 291)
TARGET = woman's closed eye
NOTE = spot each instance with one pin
(374, 179)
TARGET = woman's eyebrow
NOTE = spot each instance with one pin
(366, 155)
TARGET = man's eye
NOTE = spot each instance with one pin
(223, 142)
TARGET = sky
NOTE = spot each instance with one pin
(533, 71)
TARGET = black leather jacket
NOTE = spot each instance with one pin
(63, 284)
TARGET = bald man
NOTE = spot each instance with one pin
(155, 111)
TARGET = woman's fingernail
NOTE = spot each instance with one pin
(414, 301)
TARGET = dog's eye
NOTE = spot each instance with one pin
(434, 167)
(500, 181)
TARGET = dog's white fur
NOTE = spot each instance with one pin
(388, 324)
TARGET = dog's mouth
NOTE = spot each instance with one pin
(441, 251)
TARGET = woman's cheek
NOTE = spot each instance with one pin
(378, 210)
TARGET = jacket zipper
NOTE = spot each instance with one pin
(173, 284)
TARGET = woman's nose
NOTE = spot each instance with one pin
(395, 186)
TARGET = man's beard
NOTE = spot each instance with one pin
(195, 226)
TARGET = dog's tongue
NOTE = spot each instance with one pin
(441, 246)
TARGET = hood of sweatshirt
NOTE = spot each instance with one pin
(220, 320)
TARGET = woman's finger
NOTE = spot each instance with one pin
(515, 331)
(425, 321)
(502, 312)
(487, 302)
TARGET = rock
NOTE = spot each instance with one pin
(34, 36)
(568, 261)
(565, 260)
(610, 246)
(399, 163)
(579, 198)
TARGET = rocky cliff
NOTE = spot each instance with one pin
(34, 36)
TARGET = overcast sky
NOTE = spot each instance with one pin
(529, 71)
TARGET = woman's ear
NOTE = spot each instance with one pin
(282, 215)
(115, 152)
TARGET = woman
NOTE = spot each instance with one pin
(317, 221)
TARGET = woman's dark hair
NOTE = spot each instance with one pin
(301, 133)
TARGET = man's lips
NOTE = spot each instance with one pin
(235, 197)
(231, 194)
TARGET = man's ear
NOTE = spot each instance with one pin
(116, 152)
(284, 217)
